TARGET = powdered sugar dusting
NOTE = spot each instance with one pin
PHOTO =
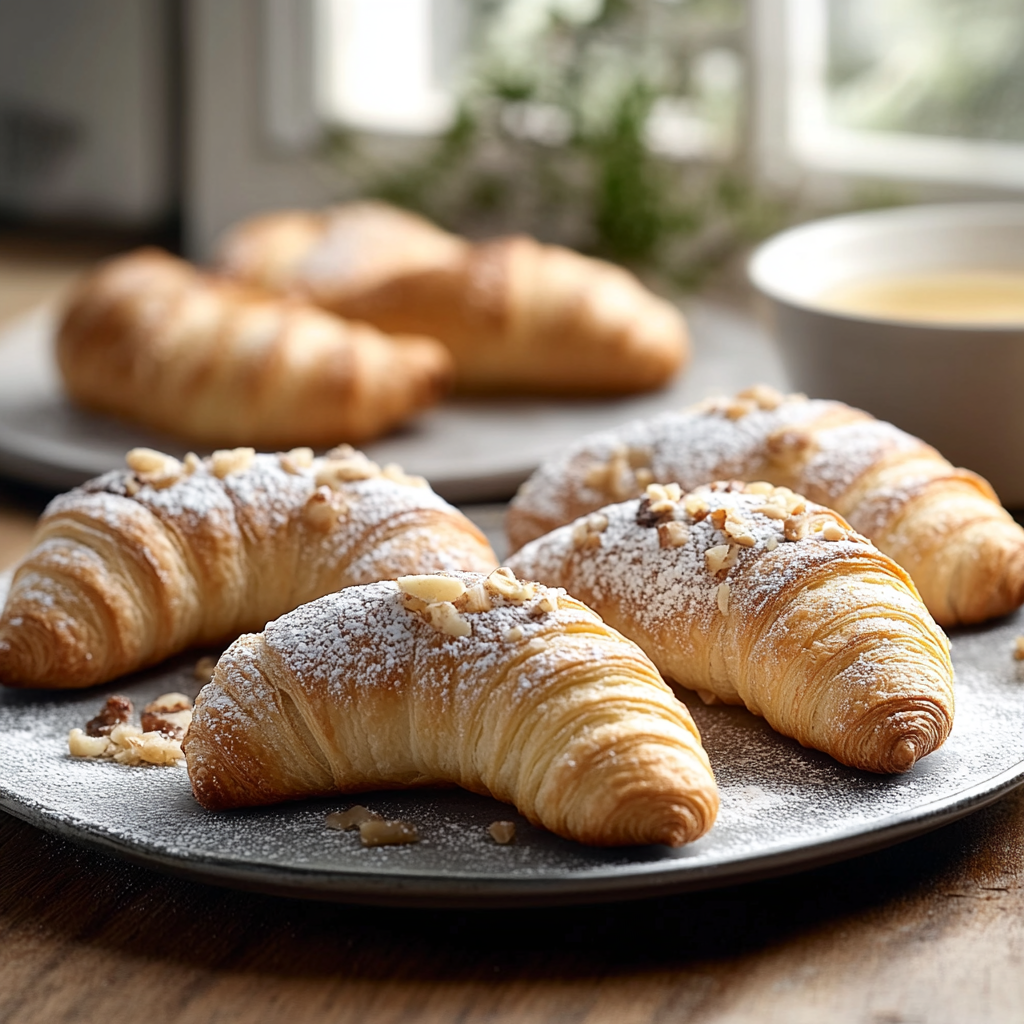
(819, 448)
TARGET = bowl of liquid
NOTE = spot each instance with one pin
(915, 314)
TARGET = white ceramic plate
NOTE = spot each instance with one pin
(470, 450)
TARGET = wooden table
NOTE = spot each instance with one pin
(929, 931)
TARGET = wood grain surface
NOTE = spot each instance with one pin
(930, 931)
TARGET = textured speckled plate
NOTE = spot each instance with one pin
(470, 450)
(783, 807)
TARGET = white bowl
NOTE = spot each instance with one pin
(959, 387)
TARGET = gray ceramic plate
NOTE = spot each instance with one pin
(469, 450)
(783, 807)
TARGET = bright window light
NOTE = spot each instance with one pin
(900, 87)
(377, 69)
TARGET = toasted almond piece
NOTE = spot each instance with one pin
(772, 542)
(352, 818)
(387, 833)
(773, 511)
(444, 616)
(673, 534)
(509, 587)
(795, 528)
(80, 745)
(502, 832)
(296, 460)
(226, 461)
(722, 597)
(717, 558)
(833, 531)
(432, 588)
(718, 517)
(477, 599)
(1018, 652)
(324, 508)
(513, 634)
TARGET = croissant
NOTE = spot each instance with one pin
(752, 595)
(945, 526)
(516, 315)
(502, 687)
(152, 339)
(137, 565)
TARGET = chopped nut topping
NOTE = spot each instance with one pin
(352, 818)
(721, 557)
(788, 444)
(170, 702)
(502, 581)
(773, 511)
(116, 711)
(132, 487)
(795, 528)
(718, 517)
(833, 531)
(696, 507)
(759, 487)
(136, 747)
(764, 396)
(296, 460)
(204, 667)
(394, 472)
(445, 618)
(81, 745)
(414, 604)
(513, 634)
(432, 588)
(663, 498)
(722, 597)
(672, 534)
(477, 599)
(502, 832)
(192, 463)
(387, 833)
(772, 542)
(626, 473)
(345, 465)
(739, 408)
(154, 468)
(226, 461)
(324, 508)
(1018, 648)
(170, 714)
(126, 743)
(546, 604)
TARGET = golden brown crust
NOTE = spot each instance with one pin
(152, 339)
(135, 566)
(539, 704)
(766, 600)
(943, 525)
(515, 314)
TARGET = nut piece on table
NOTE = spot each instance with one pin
(388, 833)
(115, 712)
(502, 832)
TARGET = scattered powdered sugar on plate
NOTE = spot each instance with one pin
(782, 804)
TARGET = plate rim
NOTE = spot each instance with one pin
(467, 890)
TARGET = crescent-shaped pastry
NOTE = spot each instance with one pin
(752, 595)
(139, 564)
(502, 687)
(517, 315)
(945, 526)
(154, 340)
